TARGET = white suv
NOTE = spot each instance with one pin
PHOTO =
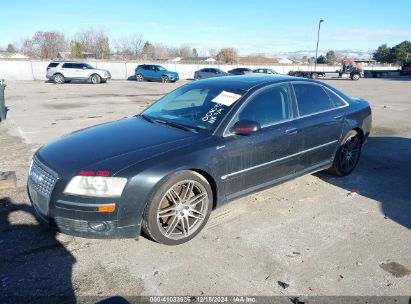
(62, 71)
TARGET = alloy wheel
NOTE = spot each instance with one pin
(350, 153)
(182, 210)
(58, 79)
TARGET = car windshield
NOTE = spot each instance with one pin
(196, 106)
(160, 68)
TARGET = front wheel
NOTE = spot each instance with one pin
(355, 77)
(139, 78)
(348, 154)
(165, 79)
(179, 209)
(95, 79)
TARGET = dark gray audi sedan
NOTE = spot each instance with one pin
(202, 145)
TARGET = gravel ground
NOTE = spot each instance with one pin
(319, 234)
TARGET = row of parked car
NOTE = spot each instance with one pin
(66, 71)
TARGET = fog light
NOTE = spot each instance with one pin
(98, 226)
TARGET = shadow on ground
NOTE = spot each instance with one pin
(33, 263)
(35, 267)
(383, 174)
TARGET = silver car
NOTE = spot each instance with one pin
(209, 73)
(265, 71)
(66, 71)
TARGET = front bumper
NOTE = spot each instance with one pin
(174, 77)
(76, 215)
(82, 220)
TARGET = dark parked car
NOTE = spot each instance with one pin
(265, 71)
(240, 71)
(156, 73)
(209, 73)
(206, 143)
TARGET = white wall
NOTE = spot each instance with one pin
(36, 70)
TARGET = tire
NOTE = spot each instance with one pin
(171, 210)
(347, 155)
(355, 77)
(314, 75)
(59, 78)
(95, 79)
(139, 78)
(165, 79)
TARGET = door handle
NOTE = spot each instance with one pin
(339, 118)
(291, 131)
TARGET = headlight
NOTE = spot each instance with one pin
(98, 186)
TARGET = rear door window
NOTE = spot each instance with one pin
(311, 99)
(53, 64)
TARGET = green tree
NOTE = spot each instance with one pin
(11, 48)
(195, 53)
(321, 59)
(331, 58)
(76, 49)
(401, 52)
(149, 50)
(383, 54)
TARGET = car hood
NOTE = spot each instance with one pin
(113, 146)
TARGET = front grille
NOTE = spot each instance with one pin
(42, 179)
(41, 183)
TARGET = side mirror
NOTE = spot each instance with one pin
(84, 68)
(246, 127)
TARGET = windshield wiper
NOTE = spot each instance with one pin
(175, 125)
(145, 117)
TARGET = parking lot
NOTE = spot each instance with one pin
(318, 234)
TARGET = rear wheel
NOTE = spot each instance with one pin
(165, 79)
(348, 154)
(95, 79)
(179, 209)
(59, 79)
(314, 75)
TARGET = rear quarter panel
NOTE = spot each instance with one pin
(359, 116)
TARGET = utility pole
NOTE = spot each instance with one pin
(318, 40)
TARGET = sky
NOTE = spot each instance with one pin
(251, 26)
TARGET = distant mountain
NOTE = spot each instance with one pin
(357, 54)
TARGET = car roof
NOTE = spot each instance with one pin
(247, 82)
(66, 61)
